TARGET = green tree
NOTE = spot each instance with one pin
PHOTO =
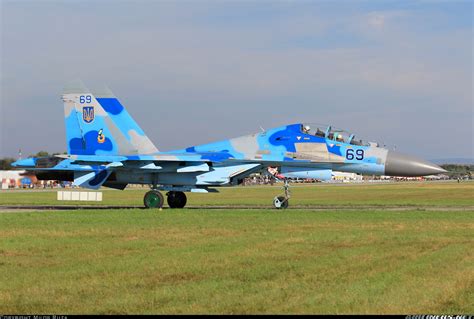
(5, 163)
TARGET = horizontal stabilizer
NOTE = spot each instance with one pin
(94, 158)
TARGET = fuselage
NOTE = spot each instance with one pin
(290, 147)
(296, 150)
(298, 153)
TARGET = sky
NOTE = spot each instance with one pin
(192, 72)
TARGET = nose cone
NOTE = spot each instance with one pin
(404, 165)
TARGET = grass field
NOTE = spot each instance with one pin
(137, 261)
(391, 194)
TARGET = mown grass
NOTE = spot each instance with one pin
(237, 261)
(390, 194)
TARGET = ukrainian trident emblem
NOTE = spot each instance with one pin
(88, 114)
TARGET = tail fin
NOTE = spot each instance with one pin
(101, 126)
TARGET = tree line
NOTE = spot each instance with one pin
(458, 170)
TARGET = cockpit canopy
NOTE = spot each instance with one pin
(332, 133)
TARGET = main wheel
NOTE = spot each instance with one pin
(177, 199)
(280, 202)
(153, 199)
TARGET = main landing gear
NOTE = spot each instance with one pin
(176, 199)
(282, 201)
(154, 199)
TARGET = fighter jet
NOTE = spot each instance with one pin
(106, 147)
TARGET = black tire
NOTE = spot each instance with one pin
(284, 202)
(153, 199)
(177, 199)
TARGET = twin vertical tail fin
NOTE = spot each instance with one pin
(98, 124)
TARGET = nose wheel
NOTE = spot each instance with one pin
(282, 201)
(153, 199)
(176, 199)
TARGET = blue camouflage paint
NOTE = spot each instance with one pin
(120, 116)
(83, 137)
(334, 148)
(111, 105)
(99, 178)
(93, 147)
(285, 138)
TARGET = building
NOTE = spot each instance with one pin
(13, 179)
(18, 179)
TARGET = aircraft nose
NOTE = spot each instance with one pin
(398, 164)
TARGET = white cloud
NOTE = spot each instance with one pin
(376, 19)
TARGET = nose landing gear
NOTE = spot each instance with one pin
(282, 201)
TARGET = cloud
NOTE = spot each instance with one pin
(376, 19)
(205, 66)
(380, 19)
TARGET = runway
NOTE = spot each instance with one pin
(37, 208)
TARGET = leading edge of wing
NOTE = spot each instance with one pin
(159, 157)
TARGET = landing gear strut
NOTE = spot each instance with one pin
(153, 199)
(282, 201)
(176, 199)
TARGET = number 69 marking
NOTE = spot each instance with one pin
(85, 99)
(359, 154)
